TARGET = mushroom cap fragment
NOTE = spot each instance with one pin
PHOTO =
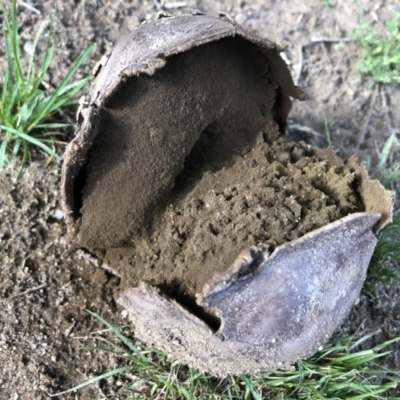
(272, 314)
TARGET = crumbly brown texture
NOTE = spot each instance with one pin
(45, 287)
(275, 193)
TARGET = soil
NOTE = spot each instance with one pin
(46, 284)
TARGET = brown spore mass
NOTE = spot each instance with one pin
(151, 123)
(275, 192)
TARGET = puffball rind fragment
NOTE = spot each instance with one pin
(280, 312)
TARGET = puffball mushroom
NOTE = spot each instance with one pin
(180, 99)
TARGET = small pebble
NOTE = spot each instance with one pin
(28, 47)
(59, 214)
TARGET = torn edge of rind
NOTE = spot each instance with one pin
(148, 63)
(245, 264)
(223, 280)
(375, 197)
(74, 159)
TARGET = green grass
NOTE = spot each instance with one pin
(388, 172)
(380, 53)
(27, 104)
(338, 371)
(385, 263)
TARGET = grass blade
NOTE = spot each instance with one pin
(14, 39)
(31, 140)
(49, 104)
(387, 149)
(26, 104)
(121, 337)
(93, 380)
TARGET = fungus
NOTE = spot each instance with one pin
(238, 251)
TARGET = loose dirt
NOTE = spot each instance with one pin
(45, 286)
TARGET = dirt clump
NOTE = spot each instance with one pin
(274, 193)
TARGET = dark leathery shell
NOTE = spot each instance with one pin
(278, 313)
